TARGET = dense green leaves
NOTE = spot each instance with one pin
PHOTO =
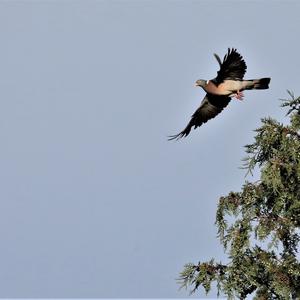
(259, 226)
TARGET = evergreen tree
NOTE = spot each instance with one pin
(259, 226)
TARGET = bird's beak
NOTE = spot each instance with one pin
(198, 83)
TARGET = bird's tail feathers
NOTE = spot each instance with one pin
(260, 84)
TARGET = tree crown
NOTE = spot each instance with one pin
(259, 226)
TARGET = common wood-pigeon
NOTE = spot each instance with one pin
(228, 83)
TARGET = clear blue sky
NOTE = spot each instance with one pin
(94, 201)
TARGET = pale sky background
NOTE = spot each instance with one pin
(94, 201)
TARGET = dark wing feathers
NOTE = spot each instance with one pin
(218, 59)
(210, 106)
(233, 66)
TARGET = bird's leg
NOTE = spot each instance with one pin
(239, 95)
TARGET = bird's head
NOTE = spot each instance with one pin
(201, 82)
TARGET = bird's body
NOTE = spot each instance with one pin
(226, 88)
(231, 87)
(228, 83)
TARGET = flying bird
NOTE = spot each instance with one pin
(228, 83)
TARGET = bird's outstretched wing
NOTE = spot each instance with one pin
(233, 66)
(210, 106)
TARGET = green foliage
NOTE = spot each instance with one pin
(259, 226)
